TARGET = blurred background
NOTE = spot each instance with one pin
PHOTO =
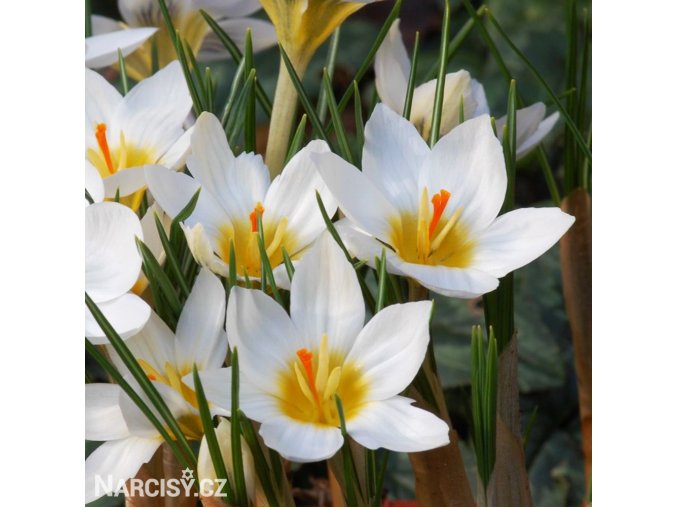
(546, 374)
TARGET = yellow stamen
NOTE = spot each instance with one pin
(306, 358)
(103, 145)
(423, 239)
(277, 238)
(323, 365)
(332, 383)
(253, 216)
(439, 201)
(445, 230)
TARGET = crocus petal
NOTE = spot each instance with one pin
(93, 182)
(125, 182)
(468, 162)
(153, 112)
(392, 157)
(394, 424)
(478, 105)
(391, 347)
(534, 139)
(127, 314)
(116, 461)
(103, 417)
(292, 195)
(175, 157)
(301, 442)
(451, 282)
(112, 261)
(217, 387)
(104, 24)
(174, 190)
(227, 8)
(238, 184)
(263, 37)
(361, 245)
(518, 237)
(369, 209)
(199, 332)
(151, 236)
(264, 345)
(203, 251)
(147, 12)
(531, 128)
(326, 298)
(102, 50)
(154, 344)
(101, 102)
(392, 68)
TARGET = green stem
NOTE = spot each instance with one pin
(282, 118)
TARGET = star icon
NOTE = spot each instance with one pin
(187, 473)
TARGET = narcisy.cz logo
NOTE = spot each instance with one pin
(163, 488)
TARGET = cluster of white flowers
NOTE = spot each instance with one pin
(433, 210)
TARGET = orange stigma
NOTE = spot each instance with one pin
(306, 358)
(103, 145)
(439, 201)
(258, 210)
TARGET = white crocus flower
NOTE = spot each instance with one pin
(392, 67)
(436, 209)
(231, 15)
(291, 367)
(102, 50)
(234, 191)
(123, 134)
(112, 266)
(167, 359)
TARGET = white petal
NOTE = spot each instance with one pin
(127, 314)
(477, 105)
(93, 182)
(468, 162)
(103, 417)
(101, 102)
(519, 237)
(361, 245)
(457, 87)
(126, 181)
(543, 130)
(174, 190)
(238, 184)
(227, 8)
(392, 68)
(102, 50)
(357, 196)
(393, 155)
(391, 347)
(203, 252)
(326, 297)
(263, 37)
(115, 461)
(112, 261)
(292, 196)
(264, 336)
(155, 344)
(394, 424)
(217, 387)
(147, 12)
(175, 157)
(301, 442)
(199, 332)
(151, 236)
(103, 24)
(452, 282)
(151, 115)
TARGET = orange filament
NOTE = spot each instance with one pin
(306, 358)
(103, 145)
(151, 377)
(439, 201)
(253, 216)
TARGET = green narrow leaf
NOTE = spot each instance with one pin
(378, 492)
(549, 176)
(232, 96)
(236, 54)
(303, 98)
(578, 137)
(382, 281)
(529, 427)
(329, 66)
(262, 243)
(411, 84)
(156, 274)
(297, 140)
(232, 266)
(236, 118)
(134, 396)
(209, 86)
(250, 107)
(582, 99)
(476, 15)
(267, 269)
(461, 111)
(123, 73)
(154, 56)
(139, 375)
(366, 63)
(172, 261)
(235, 442)
(88, 18)
(198, 107)
(454, 45)
(510, 147)
(336, 118)
(210, 434)
(349, 475)
(441, 76)
(288, 264)
(359, 122)
(175, 231)
(260, 462)
(197, 77)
